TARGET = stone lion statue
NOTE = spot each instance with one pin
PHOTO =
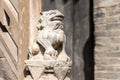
(49, 44)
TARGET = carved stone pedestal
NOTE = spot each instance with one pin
(48, 69)
(46, 77)
(51, 77)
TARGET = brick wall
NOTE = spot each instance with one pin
(107, 39)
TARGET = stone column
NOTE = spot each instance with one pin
(107, 39)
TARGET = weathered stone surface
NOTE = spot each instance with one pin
(100, 20)
(8, 42)
(106, 3)
(99, 12)
(47, 54)
(6, 53)
(15, 32)
(6, 72)
(107, 60)
(113, 10)
(109, 75)
(103, 54)
(107, 34)
(113, 20)
(108, 68)
(46, 77)
(15, 3)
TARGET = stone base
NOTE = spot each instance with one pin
(47, 69)
(46, 77)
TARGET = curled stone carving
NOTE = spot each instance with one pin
(47, 57)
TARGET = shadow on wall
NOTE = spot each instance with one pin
(3, 27)
(88, 51)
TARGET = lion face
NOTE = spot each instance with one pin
(51, 20)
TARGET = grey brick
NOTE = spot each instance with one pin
(113, 26)
(107, 61)
(108, 75)
(107, 68)
(113, 10)
(107, 33)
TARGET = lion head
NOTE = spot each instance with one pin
(51, 20)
